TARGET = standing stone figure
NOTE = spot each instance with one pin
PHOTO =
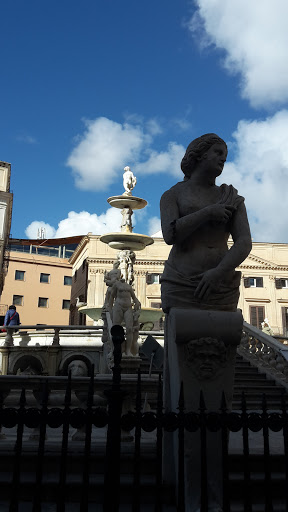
(126, 260)
(200, 291)
(120, 306)
(129, 181)
(197, 217)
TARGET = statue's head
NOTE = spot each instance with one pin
(78, 368)
(196, 150)
(111, 277)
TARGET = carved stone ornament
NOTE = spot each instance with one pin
(207, 357)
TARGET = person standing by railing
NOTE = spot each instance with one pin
(12, 316)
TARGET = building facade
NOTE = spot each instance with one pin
(6, 200)
(39, 279)
(263, 291)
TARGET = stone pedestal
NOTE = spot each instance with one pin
(200, 351)
(130, 364)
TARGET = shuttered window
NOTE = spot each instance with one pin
(257, 315)
(285, 320)
(281, 283)
(253, 282)
(153, 278)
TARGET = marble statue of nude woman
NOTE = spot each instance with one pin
(197, 217)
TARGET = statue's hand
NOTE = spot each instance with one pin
(220, 212)
(209, 282)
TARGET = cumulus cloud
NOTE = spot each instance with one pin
(104, 150)
(33, 230)
(164, 161)
(255, 40)
(79, 224)
(106, 147)
(260, 173)
(154, 225)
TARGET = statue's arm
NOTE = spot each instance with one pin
(176, 229)
(112, 297)
(135, 300)
(241, 235)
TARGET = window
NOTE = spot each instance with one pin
(75, 276)
(153, 278)
(18, 300)
(83, 265)
(42, 302)
(19, 275)
(44, 278)
(68, 280)
(257, 315)
(285, 320)
(65, 304)
(281, 283)
(253, 282)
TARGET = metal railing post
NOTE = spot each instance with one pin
(113, 445)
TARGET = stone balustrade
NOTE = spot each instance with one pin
(36, 329)
(266, 352)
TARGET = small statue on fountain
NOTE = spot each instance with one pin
(129, 181)
(125, 260)
(121, 301)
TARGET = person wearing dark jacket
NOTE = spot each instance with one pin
(12, 317)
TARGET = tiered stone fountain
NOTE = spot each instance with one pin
(126, 242)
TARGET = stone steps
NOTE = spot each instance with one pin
(254, 384)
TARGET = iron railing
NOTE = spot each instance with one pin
(124, 472)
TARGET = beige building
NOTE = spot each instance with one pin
(6, 199)
(38, 281)
(41, 278)
(263, 292)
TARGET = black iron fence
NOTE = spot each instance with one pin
(123, 469)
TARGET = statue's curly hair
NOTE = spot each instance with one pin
(196, 149)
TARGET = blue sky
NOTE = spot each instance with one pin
(90, 87)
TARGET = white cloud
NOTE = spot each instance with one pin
(260, 173)
(163, 162)
(27, 139)
(154, 225)
(32, 231)
(79, 224)
(106, 147)
(255, 39)
(83, 222)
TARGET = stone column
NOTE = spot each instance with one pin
(52, 363)
(141, 286)
(200, 351)
(4, 357)
(91, 292)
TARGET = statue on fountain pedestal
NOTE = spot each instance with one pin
(129, 181)
(124, 307)
(122, 310)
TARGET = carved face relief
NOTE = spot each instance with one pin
(207, 357)
(78, 368)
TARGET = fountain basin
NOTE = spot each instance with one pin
(146, 314)
(135, 203)
(131, 241)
